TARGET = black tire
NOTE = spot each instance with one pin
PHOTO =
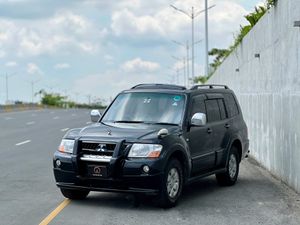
(74, 194)
(168, 197)
(230, 177)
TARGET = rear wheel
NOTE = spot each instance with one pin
(229, 177)
(74, 194)
(172, 184)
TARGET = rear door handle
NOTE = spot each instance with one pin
(209, 130)
(227, 125)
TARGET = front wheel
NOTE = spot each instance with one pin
(74, 194)
(229, 177)
(171, 185)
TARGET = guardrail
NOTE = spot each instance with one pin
(20, 107)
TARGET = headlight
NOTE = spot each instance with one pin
(145, 151)
(66, 146)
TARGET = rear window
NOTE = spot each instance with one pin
(231, 105)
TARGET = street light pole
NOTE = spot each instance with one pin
(193, 47)
(6, 79)
(184, 71)
(206, 40)
(192, 16)
(6, 84)
(187, 62)
(183, 68)
(32, 89)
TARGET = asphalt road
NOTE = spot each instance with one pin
(28, 193)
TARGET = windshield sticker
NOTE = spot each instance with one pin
(147, 100)
(177, 98)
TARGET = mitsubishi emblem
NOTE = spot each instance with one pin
(101, 148)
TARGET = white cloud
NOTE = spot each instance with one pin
(63, 33)
(62, 66)
(137, 65)
(125, 22)
(164, 23)
(32, 68)
(11, 64)
(110, 83)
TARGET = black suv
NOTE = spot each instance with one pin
(154, 139)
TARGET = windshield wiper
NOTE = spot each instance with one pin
(128, 121)
(163, 123)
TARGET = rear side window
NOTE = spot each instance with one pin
(212, 110)
(198, 105)
(231, 105)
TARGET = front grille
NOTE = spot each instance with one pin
(98, 148)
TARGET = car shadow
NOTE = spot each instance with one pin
(205, 189)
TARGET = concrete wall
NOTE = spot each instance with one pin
(268, 89)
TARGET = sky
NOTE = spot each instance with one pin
(97, 48)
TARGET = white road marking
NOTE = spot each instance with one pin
(89, 122)
(73, 114)
(33, 114)
(30, 123)
(23, 142)
(8, 118)
(55, 118)
(64, 129)
(51, 112)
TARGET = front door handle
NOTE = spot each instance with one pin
(209, 130)
(227, 125)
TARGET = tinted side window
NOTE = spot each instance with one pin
(198, 104)
(212, 110)
(222, 109)
(231, 105)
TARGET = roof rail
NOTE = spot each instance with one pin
(159, 86)
(210, 86)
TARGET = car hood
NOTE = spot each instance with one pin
(122, 131)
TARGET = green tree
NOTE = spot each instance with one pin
(221, 54)
(52, 99)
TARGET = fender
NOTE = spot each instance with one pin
(233, 138)
(173, 144)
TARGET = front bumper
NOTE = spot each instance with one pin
(125, 176)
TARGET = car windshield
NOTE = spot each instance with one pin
(154, 108)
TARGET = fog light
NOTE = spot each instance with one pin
(146, 169)
(58, 163)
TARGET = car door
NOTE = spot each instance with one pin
(217, 123)
(203, 158)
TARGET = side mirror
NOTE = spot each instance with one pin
(198, 119)
(95, 115)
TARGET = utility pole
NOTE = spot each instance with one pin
(192, 16)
